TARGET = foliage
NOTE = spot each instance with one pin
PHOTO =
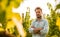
(53, 28)
(6, 13)
(27, 23)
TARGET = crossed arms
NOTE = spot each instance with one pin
(36, 30)
(43, 30)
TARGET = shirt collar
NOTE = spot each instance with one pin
(40, 19)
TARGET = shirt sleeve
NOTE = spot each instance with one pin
(45, 28)
(31, 29)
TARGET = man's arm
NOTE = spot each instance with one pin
(45, 29)
(31, 28)
(35, 30)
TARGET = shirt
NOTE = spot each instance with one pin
(41, 24)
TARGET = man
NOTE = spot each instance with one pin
(39, 27)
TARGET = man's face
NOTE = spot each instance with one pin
(38, 13)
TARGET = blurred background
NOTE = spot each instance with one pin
(16, 16)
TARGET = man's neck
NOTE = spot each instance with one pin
(38, 19)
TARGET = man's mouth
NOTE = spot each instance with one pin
(39, 17)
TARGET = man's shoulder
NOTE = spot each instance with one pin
(45, 20)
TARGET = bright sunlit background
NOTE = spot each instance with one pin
(12, 14)
(33, 4)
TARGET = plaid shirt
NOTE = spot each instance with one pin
(41, 24)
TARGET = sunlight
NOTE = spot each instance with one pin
(33, 4)
(19, 27)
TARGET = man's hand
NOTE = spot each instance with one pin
(32, 27)
(37, 30)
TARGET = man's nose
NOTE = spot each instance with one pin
(37, 13)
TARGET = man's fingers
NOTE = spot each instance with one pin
(41, 28)
(32, 27)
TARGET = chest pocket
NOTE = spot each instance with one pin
(39, 24)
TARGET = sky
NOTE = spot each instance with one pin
(32, 4)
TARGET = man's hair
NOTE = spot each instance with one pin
(4, 34)
(38, 8)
